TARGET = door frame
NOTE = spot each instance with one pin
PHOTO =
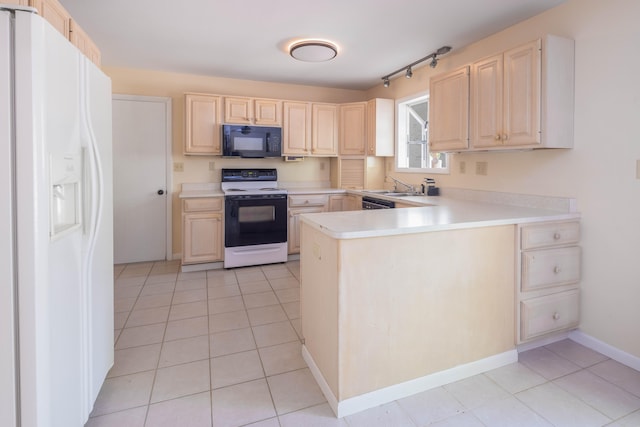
(169, 156)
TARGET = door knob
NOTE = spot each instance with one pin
(160, 192)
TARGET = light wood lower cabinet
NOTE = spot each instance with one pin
(299, 204)
(202, 230)
(345, 202)
(548, 295)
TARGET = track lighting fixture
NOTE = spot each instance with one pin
(408, 69)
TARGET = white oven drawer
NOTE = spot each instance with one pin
(549, 313)
(550, 267)
(553, 234)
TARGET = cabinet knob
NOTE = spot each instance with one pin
(556, 315)
(498, 137)
(557, 270)
(505, 137)
(556, 236)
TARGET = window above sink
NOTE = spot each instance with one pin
(412, 127)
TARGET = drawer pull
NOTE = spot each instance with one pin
(556, 236)
(306, 202)
(556, 316)
(557, 270)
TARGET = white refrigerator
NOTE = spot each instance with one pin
(56, 226)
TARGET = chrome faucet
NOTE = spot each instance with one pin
(409, 187)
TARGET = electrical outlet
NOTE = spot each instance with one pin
(321, 166)
(212, 166)
(178, 167)
(482, 168)
(463, 167)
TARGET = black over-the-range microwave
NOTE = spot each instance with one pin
(251, 141)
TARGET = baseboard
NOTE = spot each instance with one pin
(606, 349)
(408, 388)
(200, 267)
(542, 342)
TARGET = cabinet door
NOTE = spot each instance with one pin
(18, 2)
(202, 238)
(449, 111)
(82, 41)
(337, 203)
(202, 125)
(522, 67)
(352, 202)
(380, 127)
(293, 240)
(486, 101)
(54, 13)
(296, 129)
(324, 134)
(268, 112)
(353, 129)
(351, 173)
(238, 111)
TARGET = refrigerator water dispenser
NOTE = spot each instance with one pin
(65, 200)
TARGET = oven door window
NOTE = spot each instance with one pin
(256, 214)
(255, 221)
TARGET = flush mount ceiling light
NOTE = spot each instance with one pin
(408, 68)
(313, 50)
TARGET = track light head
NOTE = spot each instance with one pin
(434, 62)
(409, 73)
(443, 50)
(385, 81)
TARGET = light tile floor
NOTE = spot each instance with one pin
(222, 348)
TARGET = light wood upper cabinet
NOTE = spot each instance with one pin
(523, 98)
(54, 13)
(202, 124)
(310, 129)
(268, 112)
(18, 2)
(253, 111)
(296, 128)
(380, 127)
(82, 41)
(506, 98)
(324, 131)
(353, 129)
(449, 111)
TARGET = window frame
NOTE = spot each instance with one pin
(402, 140)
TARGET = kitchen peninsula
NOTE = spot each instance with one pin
(397, 301)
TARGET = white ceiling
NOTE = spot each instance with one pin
(248, 39)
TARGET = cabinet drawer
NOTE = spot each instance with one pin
(308, 200)
(550, 313)
(550, 267)
(554, 234)
(202, 204)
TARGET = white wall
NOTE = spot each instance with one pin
(600, 172)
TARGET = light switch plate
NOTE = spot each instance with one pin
(178, 167)
(212, 166)
(463, 167)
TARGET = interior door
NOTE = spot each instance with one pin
(141, 155)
